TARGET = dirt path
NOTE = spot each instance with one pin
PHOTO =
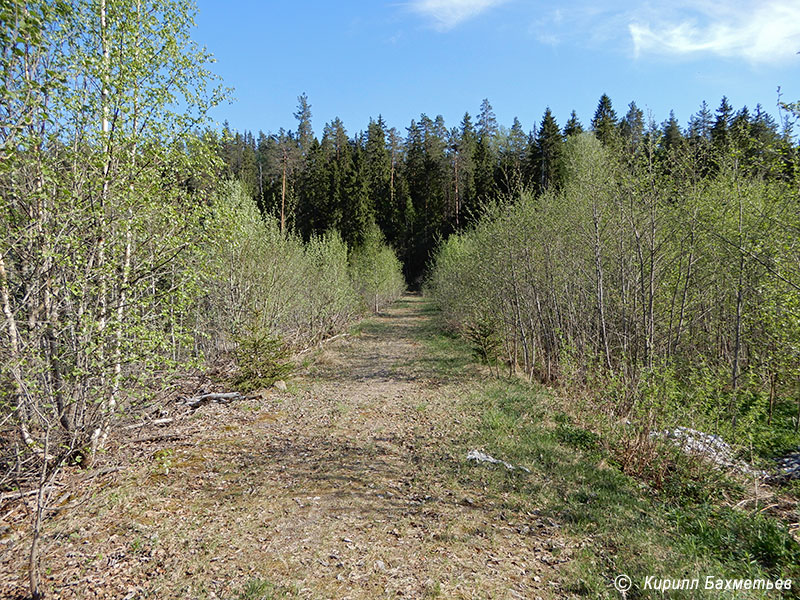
(350, 485)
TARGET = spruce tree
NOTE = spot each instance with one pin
(720, 131)
(573, 125)
(357, 213)
(467, 143)
(700, 124)
(512, 148)
(548, 162)
(378, 168)
(604, 123)
(672, 137)
(632, 126)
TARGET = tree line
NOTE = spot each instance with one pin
(428, 181)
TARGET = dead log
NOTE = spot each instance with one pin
(18, 495)
(104, 471)
(166, 437)
(222, 398)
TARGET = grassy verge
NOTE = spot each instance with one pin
(685, 527)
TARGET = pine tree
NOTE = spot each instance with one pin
(487, 122)
(485, 157)
(304, 131)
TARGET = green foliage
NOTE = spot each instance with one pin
(163, 460)
(755, 541)
(485, 339)
(259, 280)
(376, 271)
(608, 283)
(269, 294)
(99, 213)
(434, 180)
(634, 529)
(262, 360)
(577, 437)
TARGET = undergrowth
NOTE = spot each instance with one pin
(667, 516)
(262, 360)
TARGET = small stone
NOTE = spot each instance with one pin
(380, 565)
(280, 385)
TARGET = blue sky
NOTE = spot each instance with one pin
(356, 60)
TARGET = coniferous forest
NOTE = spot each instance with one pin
(641, 272)
(422, 182)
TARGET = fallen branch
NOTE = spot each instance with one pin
(33, 446)
(104, 471)
(146, 423)
(222, 398)
(18, 495)
(160, 438)
(321, 342)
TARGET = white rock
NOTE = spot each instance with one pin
(481, 457)
(710, 446)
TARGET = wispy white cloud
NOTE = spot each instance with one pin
(446, 14)
(761, 32)
(581, 22)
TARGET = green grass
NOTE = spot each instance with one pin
(258, 589)
(682, 529)
(446, 355)
(630, 528)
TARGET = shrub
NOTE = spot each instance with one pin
(376, 271)
(268, 293)
(262, 360)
